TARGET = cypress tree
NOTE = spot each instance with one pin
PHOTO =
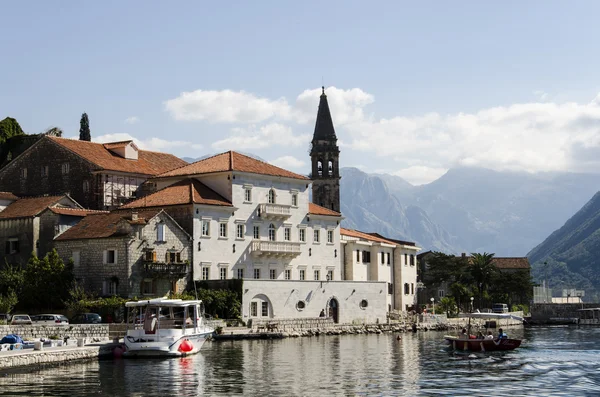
(84, 129)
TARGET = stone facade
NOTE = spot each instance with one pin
(35, 332)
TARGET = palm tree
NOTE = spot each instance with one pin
(482, 271)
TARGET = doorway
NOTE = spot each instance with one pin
(334, 310)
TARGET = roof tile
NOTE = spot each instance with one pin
(28, 207)
(315, 209)
(105, 225)
(7, 196)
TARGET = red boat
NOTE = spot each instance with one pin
(487, 345)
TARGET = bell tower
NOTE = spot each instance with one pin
(324, 155)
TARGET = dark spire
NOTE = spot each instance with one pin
(324, 126)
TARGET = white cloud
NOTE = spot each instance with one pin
(152, 144)
(346, 106)
(420, 174)
(541, 95)
(273, 134)
(132, 120)
(225, 107)
(288, 162)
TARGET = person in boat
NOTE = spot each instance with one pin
(480, 335)
(501, 334)
(464, 334)
(489, 335)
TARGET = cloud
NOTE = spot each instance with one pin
(541, 95)
(132, 120)
(225, 107)
(420, 174)
(346, 106)
(288, 162)
(274, 134)
(152, 144)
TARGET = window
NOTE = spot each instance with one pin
(205, 273)
(330, 236)
(205, 227)
(302, 235)
(254, 309)
(160, 233)
(172, 257)
(382, 254)
(248, 195)
(264, 309)
(147, 286)
(390, 289)
(223, 230)
(366, 256)
(412, 288)
(12, 246)
(316, 236)
(272, 196)
(44, 171)
(412, 260)
(406, 289)
(287, 234)
(256, 232)
(294, 199)
(389, 256)
(23, 173)
(110, 257)
(257, 273)
(65, 168)
(358, 255)
(109, 287)
(240, 231)
(240, 273)
(302, 274)
(223, 273)
(330, 167)
(288, 274)
(86, 186)
(329, 275)
(317, 274)
(441, 293)
(272, 274)
(405, 259)
(150, 256)
(271, 232)
(320, 168)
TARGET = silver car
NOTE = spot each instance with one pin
(50, 319)
(20, 319)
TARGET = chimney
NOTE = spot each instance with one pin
(463, 255)
(134, 215)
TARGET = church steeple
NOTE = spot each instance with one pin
(324, 154)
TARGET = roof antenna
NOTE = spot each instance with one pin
(323, 85)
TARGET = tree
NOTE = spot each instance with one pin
(47, 282)
(482, 270)
(9, 127)
(448, 305)
(84, 128)
(53, 131)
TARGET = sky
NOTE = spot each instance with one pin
(415, 88)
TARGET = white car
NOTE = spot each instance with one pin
(50, 319)
(20, 319)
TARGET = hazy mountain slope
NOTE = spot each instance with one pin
(368, 205)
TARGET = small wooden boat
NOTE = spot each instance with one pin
(469, 343)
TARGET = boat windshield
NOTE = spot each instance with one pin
(151, 317)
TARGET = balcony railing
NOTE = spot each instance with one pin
(274, 211)
(275, 248)
(169, 270)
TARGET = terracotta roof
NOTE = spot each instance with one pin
(75, 211)
(364, 236)
(232, 161)
(315, 209)
(148, 163)
(28, 207)
(114, 145)
(511, 263)
(7, 196)
(105, 225)
(187, 191)
(401, 242)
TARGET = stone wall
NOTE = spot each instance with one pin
(293, 324)
(29, 357)
(23, 230)
(542, 312)
(33, 332)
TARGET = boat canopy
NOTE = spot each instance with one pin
(589, 309)
(164, 302)
(495, 316)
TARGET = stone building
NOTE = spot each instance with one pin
(372, 257)
(324, 156)
(128, 253)
(98, 176)
(29, 225)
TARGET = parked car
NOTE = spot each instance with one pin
(500, 308)
(86, 318)
(50, 319)
(21, 319)
(5, 317)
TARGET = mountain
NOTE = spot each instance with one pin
(569, 256)
(502, 212)
(368, 205)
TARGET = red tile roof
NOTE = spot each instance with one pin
(315, 209)
(28, 207)
(401, 242)
(187, 191)
(114, 145)
(364, 236)
(148, 163)
(232, 161)
(75, 211)
(7, 196)
(105, 225)
(511, 263)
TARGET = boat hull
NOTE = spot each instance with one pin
(184, 346)
(482, 344)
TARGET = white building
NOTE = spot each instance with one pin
(372, 257)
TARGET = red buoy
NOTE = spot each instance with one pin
(186, 346)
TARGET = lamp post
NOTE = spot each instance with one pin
(433, 304)
(472, 304)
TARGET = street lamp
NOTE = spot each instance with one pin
(433, 305)
(472, 304)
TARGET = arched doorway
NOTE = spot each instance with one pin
(333, 310)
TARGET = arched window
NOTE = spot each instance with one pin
(272, 196)
(271, 232)
(320, 168)
(330, 168)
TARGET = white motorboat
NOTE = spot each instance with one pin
(165, 327)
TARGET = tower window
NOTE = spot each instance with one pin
(330, 168)
(320, 168)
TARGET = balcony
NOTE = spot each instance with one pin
(275, 248)
(274, 211)
(172, 270)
